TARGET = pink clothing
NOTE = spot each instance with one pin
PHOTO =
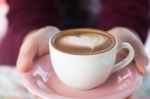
(27, 15)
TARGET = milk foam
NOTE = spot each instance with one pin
(84, 40)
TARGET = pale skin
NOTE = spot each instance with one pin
(36, 44)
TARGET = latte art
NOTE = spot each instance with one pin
(83, 42)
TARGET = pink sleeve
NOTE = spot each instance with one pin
(132, 14)
(26, 15)
(23, 17)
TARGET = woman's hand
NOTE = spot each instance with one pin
(126, 35)
(34, 46)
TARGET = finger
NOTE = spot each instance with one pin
(126, 35)
(141, 58)
(26, 56)
(42, 37)
(141, 63)
(36, 44)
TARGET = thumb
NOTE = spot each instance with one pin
(26, 56)
(141, 62)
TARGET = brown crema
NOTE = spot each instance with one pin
(83, 41)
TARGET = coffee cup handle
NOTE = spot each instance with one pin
(127, 59)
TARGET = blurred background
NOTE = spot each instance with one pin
(6, 81)
(3, 20)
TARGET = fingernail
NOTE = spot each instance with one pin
(142, 68)
(145, 69)
(24, 67)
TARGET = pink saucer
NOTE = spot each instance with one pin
(43, 82)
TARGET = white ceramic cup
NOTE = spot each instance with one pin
(88, 71)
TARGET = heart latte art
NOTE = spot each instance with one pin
(89, 41)
(83, 42)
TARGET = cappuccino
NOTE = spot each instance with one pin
(84, 58)
(83, 41)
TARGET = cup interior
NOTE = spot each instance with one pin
(76, 31)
